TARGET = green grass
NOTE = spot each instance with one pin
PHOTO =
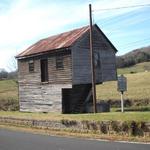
(127, 116)
(8, 90)
(138, 88)
(141, 67)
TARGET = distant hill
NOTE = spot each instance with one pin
(134, 57)
(140, 67)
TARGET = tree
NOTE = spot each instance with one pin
(12, 64)
(3, 74)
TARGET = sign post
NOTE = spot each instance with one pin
(122, 104)
(122, 87)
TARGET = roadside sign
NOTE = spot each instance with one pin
(122, 86)
(122, 83)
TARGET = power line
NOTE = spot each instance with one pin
(134, 44)
(109, 21)
(133, 47)
(115, 20)
(127, 47)
(137, 42)
(123, 7)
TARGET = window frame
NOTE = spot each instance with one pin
(59, 62)
(31, 66)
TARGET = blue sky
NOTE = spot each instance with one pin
(23, 22)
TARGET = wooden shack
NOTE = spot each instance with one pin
(54, 74)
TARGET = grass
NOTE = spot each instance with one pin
(133, 108)
(140, 67)
(127, 116)
(138, 88)
(8, 90)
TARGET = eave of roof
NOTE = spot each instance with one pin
(57, 42)
(63, 40)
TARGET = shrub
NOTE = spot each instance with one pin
(93, 126)
(144, 127)
(136, 129)
(125, 127)
(104, 127)
(9, 105)
(85, 124)
(116, 126)
(68, 123)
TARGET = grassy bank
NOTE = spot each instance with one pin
(140, 67)
(9, 95)
(127, 116)
(138, 88)
(8, 90)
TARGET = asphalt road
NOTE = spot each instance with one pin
(12, 140)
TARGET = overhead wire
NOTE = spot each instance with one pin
(123, 7)
(136, 44)
(117, 19)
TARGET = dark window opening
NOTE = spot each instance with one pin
(59, 62)
(44, 70)
(31, 66)
(104, 46)
(97, 62)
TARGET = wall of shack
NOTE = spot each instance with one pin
(105, 59)
(35, 96)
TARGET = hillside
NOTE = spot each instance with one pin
(140, 67)
(138, 86)
(134, 57)
(8, 90)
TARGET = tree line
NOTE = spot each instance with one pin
(7, 75)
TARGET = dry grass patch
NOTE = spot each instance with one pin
(8, 90)
(138, 88)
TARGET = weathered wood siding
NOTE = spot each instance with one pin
(106, 63)
(41, 98)
(60, 76)
(35, 96)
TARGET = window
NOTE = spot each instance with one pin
(44, 70)
(97, 59)
(59, 62)
(31, 66)
(104, 46)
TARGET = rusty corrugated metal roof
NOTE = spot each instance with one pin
(62, 40)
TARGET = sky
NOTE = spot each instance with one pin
(24, 22)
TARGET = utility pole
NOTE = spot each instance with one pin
(92, 61)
